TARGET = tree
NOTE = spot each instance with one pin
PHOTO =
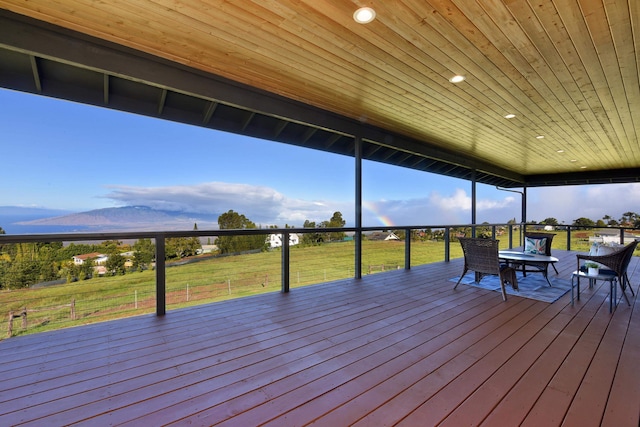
(311, 238)
(115, 263)
(144, 253)
(235, 244)
(336, 221)
(609, 220)
(46, 258)
(194, 242)
(484, 232)
(549, 221)
(179, 247)
(1, 247)
(109, 246)
(85, 270)
(628, 218)
(70, 270)
(584, 222)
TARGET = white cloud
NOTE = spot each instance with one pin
(266, 206)
(258, 203)
(437, 209)
(458, 201)
(569, 203)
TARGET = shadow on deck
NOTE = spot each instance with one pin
(400, 347)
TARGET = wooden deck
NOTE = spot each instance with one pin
(396, 348)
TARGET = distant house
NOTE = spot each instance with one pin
(380, 235)
(100, 270)
(275, 240)
(207, 249)
(98, 258)
(612, 236)
(129, 257)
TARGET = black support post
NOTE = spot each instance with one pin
(473, 202)
(358, 234)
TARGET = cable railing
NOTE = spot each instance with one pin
(172, 284)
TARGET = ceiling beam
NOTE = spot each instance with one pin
(36, 73)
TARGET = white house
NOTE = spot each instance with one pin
(207, 249)
(98, 258)
(380, 235)
(275, 240)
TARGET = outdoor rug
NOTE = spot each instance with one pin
(534, 286)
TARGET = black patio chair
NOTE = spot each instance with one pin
(481, 256)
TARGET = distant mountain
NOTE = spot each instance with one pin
(128, 218)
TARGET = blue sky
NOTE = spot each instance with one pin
(61, 155)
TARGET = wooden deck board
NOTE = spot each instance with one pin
(456, 371)
(400, 347)
(558, 343)
(591, 399)
(379, 363)
(552, 405)
(623, 405)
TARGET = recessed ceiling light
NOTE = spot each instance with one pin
(560, 151)
(540, 137)
(509, 116)
(583, 167)
(364, 15)
(573, 160)
(457, 79)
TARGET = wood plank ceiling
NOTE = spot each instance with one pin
(567, 69)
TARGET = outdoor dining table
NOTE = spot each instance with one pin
(539, 262)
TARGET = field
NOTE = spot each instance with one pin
(211, 279)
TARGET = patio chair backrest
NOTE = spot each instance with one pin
(617, 261)
(480, 255)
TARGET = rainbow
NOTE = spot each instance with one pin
(385, 220)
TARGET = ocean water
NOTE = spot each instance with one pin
(10, 226)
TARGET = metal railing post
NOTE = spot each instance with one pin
(161, 285)
(568, 237)
(407, 249)
(285, 262)
(447, 248)
(510, 228)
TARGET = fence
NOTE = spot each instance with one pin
(23, 314)
(275, 270)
